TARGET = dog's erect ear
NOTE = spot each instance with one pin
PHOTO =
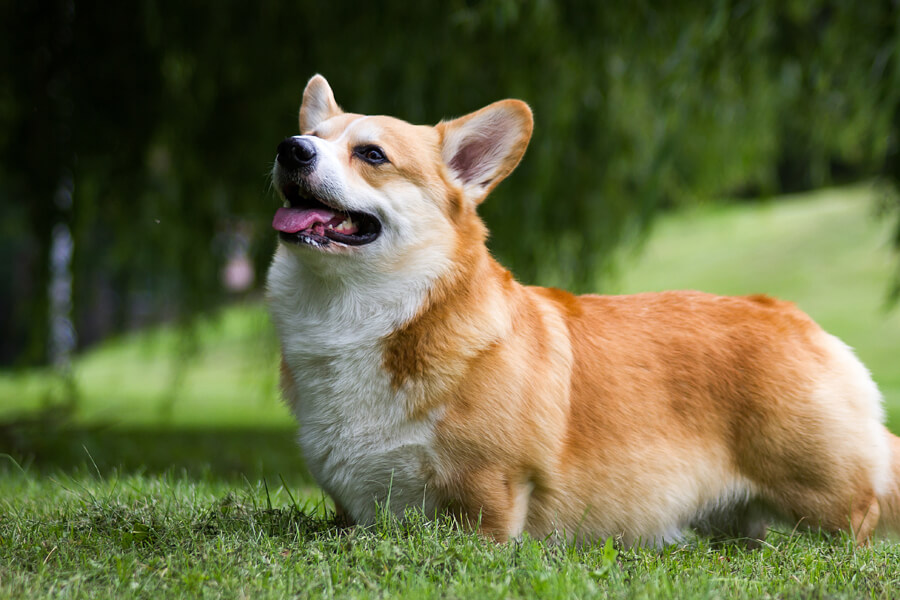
(318, 104)
(482, 148)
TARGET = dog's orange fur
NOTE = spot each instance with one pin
(593, 416)
(577, 395)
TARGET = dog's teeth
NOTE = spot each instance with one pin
(346, 224)
(287, 204)
(329, 226)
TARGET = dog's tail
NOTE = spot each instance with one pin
(889, 501)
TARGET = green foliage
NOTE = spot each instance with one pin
(166, 119)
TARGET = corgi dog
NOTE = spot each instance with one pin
(424, 376)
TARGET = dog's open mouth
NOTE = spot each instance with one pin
(310, 221)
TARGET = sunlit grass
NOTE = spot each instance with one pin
(145, 536)
(221, 371)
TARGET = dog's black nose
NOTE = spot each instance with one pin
(296, 153)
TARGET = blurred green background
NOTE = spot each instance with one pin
(730, 146)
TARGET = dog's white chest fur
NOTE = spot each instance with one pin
(356, 437)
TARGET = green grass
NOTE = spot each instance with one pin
(78, 535)
(175, 472)
(222, 371)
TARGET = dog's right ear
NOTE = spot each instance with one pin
(482, 148)
(318, 104)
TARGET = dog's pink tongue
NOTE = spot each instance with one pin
(292, 220)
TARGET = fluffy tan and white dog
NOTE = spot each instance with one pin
(423, 375)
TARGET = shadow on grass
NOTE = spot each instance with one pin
(48, 445)
(151, 528)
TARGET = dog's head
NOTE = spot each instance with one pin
(377, 189)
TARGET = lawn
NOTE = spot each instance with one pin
(134, 535)
(172, 470)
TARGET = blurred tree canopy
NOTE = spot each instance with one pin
(163, 118)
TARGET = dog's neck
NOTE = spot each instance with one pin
(423, 325)
(463, 315)
(371, 303)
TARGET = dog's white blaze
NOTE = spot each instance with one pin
(362, 131)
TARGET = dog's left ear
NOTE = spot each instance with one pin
(318, 104)
(482, 148)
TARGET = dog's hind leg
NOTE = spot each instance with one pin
(889, 497)
(864, 519)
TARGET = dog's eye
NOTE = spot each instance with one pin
(371, 154)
